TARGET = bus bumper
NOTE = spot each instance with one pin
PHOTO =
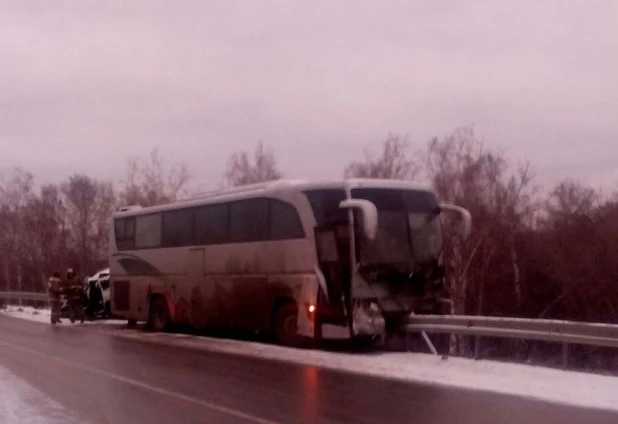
(367, 320)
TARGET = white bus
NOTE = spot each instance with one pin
(297, 259)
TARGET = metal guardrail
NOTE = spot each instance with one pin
(21, 296)
(571, 332)
(565, 332)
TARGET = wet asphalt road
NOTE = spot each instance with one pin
(108, 379)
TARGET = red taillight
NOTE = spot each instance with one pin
(311, 308)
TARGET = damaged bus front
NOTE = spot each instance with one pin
(380, 257)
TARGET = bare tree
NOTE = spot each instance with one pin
(15, 193)
(46, 234)
(570, 198)
(89, 204)
(241, 170)
(578, 235)
(153, 182)
(500, 201)
(393, 163)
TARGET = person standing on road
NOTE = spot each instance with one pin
(54, 290)
(73, 289)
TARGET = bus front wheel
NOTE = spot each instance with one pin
(286, 325)
(158, 315)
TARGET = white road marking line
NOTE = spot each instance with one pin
(132, 382)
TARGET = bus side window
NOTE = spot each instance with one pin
(248, 220)
(119, 224)
(124, 233)
(129, 229)
(148, 231)
(177, 228)
(284, 221)
(212, 224)
(325, 205)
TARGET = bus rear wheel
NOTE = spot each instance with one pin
(286, 330)
(158, 315)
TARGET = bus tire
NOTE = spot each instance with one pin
(158, 315)
(286, 324)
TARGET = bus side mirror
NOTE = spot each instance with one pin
(370, 215)
(466, 218)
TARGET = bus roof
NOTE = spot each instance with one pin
(260, 189)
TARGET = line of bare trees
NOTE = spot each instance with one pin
(57, 226)
(536, 253)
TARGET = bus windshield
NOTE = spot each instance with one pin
(409, 230)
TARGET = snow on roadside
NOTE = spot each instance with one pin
(22, 403)
(27, 312)
(44, 315)
(546, 384)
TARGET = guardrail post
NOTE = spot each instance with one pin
(428, 342)
(477, 347)
(565, 356)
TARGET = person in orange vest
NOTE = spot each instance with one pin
(54, 290)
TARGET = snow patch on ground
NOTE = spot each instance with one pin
(21, 403)
(44, 315)
(546, 384)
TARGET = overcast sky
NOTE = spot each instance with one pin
(84, 84)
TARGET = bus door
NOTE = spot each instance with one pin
(333, 250)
